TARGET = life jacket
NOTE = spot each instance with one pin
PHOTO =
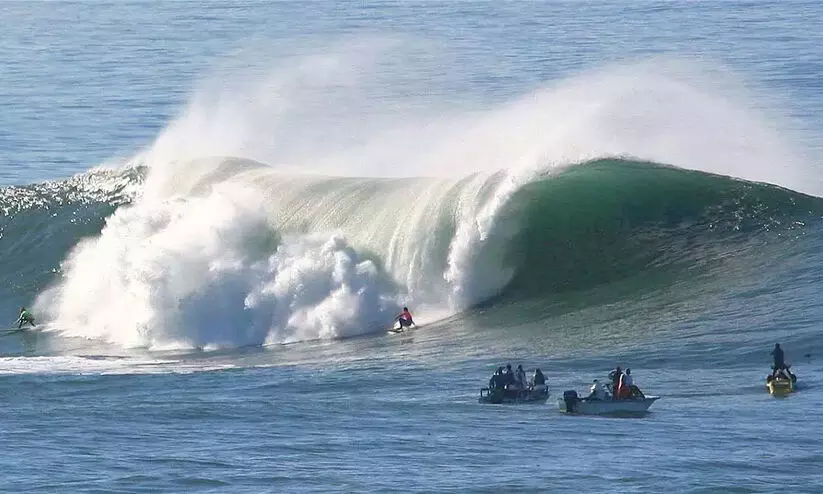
(623, 390)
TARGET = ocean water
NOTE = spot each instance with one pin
(214, 210)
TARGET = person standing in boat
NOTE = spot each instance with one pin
(520, 377)
(496, 380)
(539, 379)
(614, 377)
(508, 376)
(625, 385)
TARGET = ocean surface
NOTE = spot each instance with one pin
(215, 209)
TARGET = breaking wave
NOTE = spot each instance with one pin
(184, 248)
(336, 257)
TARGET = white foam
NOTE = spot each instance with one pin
(68, 365)
(210, 271)
(72, 365)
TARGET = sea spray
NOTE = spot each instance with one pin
(478, 265)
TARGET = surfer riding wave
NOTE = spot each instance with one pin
(405, 319)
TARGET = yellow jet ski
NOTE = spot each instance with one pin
(781, 385)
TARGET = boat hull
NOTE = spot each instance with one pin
(631, 406)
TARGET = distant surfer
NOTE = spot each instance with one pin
(25, 318)
(405, 319)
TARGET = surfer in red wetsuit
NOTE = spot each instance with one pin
(405, 318)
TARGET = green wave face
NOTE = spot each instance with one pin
(612, 220)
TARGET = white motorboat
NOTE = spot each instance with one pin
(571, 403)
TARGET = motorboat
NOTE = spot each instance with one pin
(509, 394)
(570, 402)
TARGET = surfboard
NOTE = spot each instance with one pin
(395, 330)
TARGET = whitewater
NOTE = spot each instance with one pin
(215, 236)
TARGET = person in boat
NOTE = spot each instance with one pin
(634, 391)
(539, 379)
(508, 376)
(520, 377)
(405, 318)
(497, 380)
(25, 318)
(614, 377)
(597, 391)
(624, 387)
(779, 359)
(538, 383)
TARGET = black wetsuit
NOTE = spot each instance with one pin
(779, 363)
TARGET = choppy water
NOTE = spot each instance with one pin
(564, 186)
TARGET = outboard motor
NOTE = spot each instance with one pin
(570, 397)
